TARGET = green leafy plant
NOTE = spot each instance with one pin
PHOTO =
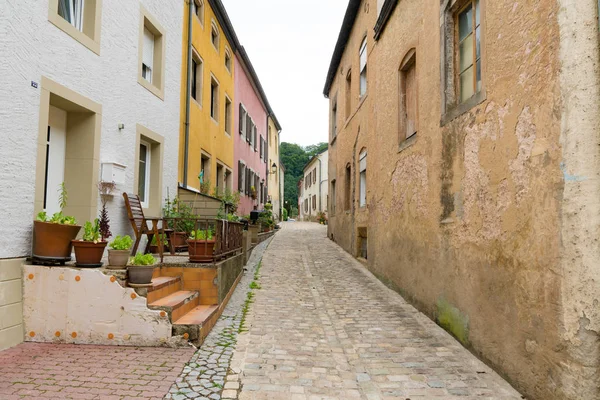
(142, 259)
(91, 232)
(58, 217)
(205, 187)
(322, 218)
(121, 243)
(178, 215)
(201, 235)
(163, 238)
(284, 214)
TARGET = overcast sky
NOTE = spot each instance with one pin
(290, 45)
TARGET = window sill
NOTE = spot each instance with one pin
(151, 88)
(407, 143)
(356, 110)
(462, 108)
(333, 140)
(214, 121)
(63, 25)
(196, 103)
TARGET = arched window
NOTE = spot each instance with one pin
(409, 121)
(214, 35)
(363, 67)
(198, 10)
(228, 59)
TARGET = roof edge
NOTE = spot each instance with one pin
(340, 46)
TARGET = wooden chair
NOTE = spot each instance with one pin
(139, 223)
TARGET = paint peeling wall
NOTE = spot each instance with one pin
(66, 305)
(487, 222)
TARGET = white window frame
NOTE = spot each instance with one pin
(148, 161)
(362, 164)
(215, 28)
(148, 46)
(362, 54)
(228, 125)
(199, 5)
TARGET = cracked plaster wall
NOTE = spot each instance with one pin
(66, 305)
(496, 213)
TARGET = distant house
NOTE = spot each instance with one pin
(315, 188)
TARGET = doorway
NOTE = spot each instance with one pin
(56, 144)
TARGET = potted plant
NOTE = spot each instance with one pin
(89, 250)
(201, 244)
(154, 243)
(140, 270)
(180, 219)
(253, 192)
(118, 254)
(52, 236)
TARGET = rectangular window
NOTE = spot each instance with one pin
(469, 50)
(241, 175)
(262, 148)
(254, 139)
(148, 52)
(348, 189)
(144, 173)
(248, 128)
(80, 19)
(363, 68)
(348, 94)
(228, 60)
(198, 10)
(363, 178)
(315, 175)
(151, 54)
(242, 120)
(334, 119)
(227, 115)
(214, 99)
(197, 73)
(332, 206)
(314, 202)
(408, 97)
(72, 12)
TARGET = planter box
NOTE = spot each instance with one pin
(201, 250)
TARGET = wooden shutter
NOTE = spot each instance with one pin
(254, 139)
(248, 128)
(241, 119)
(240, 176)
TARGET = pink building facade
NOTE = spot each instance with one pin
(250, 144)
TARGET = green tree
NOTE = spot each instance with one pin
(295, 158)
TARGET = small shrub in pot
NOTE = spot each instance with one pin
(89, 250)
(118, 254)
(140, 269)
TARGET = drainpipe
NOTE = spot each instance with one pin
(188, 89)
(320, 183)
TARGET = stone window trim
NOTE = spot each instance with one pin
(451, 107)
(83, 163)
(228, 115)
(156, 142)
(408, 62)
(362, 69)
(157, 87)
(199, 78)
(199, 11)
(215, 99)
(228, 60)
(215, 35)
(89, 36)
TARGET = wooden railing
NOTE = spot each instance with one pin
(206, 239)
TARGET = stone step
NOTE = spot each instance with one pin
(163, 286)
(176, 304)
(195, 322)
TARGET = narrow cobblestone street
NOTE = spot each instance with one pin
(322, 327)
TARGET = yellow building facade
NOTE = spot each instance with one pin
(209, 144)
(275, 184)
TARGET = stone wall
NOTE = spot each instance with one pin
(11, 303)
(229, 272)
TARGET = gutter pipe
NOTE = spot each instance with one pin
(187, 97)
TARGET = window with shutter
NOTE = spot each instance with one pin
(254, 139)
(242, 119)
(248, 127)
(241, 176)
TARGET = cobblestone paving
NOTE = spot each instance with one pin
(322, 327)
(203, 377)
(61, 371)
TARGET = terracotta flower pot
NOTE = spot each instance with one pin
(53, 241)
(178, 239)
(140, 274)
(117, 259)
(88, 254)
(201, 250)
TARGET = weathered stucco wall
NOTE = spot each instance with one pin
(580, 210)
(488, 222)
(66, 305)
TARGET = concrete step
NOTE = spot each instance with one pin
(176, 304)
(163, 286)
(196, 323)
